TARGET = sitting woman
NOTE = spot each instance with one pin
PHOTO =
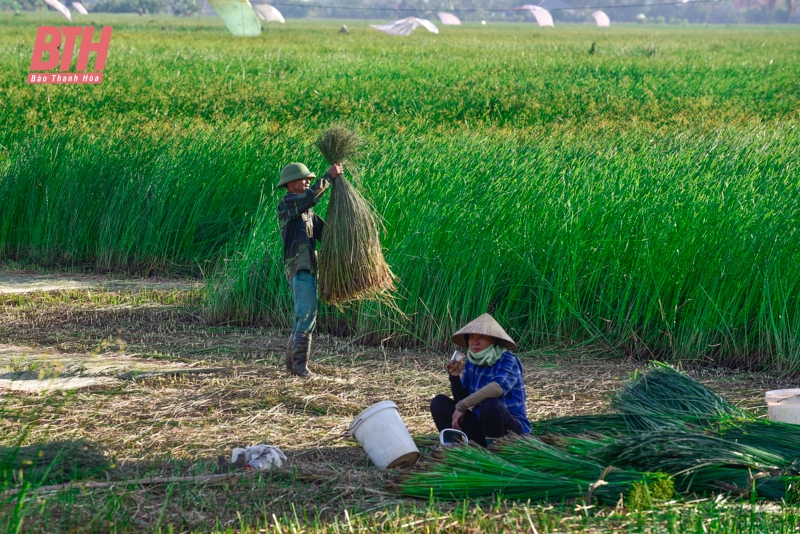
(488, 390)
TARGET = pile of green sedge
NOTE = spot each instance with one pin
(670, 437)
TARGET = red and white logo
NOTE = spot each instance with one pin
(60, 49)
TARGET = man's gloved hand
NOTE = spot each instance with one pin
(335, 170)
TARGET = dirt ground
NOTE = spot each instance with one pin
(20, 281)
(135, 371)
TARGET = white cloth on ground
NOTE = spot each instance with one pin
(260, 457)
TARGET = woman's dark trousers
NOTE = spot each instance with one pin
(495, 420)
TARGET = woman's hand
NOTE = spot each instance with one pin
(455, 367)
(456, 419)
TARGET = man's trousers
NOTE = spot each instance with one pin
(304, 295)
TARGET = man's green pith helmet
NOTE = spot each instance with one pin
(294, 171)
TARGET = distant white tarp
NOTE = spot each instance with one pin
(448, 19)
(77, 6)
(238, 16)
(405, 26)
(602, 19)
(61, 8)
(268, 13)
(543, 17)
(430, 26)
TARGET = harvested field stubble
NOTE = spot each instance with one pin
(640, 203)
(175, 426)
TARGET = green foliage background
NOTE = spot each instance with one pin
(643, 199)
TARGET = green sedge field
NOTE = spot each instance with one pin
(638, 202)
(642, 198)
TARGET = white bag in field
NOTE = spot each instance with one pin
(260, 457)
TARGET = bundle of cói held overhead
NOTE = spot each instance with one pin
(351, 263)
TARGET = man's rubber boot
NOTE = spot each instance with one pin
(300, 353)
(289, 352)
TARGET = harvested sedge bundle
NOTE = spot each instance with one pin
(602, 481)
(531, 453)
(472, 472)
(683, 452)
(671, 433)
(698, 462)
(773, 436)
(351, 263)
(604, 425)
(664, 394)
(523, 468)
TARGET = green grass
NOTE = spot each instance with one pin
(103, 511)
(642, 198)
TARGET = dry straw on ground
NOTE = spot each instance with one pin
(351, 263)
(176, 426)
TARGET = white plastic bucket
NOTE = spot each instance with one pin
(384, 436)
(784, 405)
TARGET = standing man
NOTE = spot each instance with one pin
(301, 228)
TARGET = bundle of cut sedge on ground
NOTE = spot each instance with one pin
(671, 437)
(351, 263)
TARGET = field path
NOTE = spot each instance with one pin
(32, 370)
(28, 282)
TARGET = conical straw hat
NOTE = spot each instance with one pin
(486, 325)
